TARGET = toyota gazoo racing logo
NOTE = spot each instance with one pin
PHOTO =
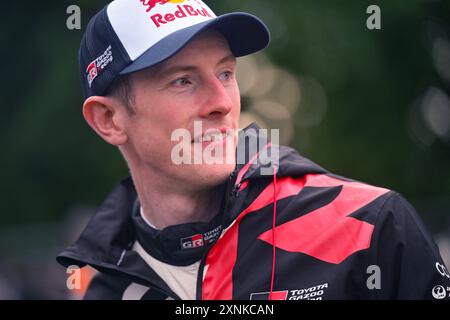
(192, 242)
(150, 4)
(95, 67)
(199, 240)
(311, 293)
(92, 72)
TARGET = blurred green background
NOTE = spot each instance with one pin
(372, 105)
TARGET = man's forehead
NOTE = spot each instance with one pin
(209, 42)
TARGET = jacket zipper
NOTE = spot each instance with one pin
(230, 196)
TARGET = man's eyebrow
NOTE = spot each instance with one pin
(171, 70)
(184, 68)
(229, 58)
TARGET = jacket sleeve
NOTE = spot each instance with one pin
(410, 264)
(110, 287)
(106, 287)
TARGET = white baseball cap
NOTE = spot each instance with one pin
(131, 35)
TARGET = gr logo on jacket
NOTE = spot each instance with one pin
(302, 233)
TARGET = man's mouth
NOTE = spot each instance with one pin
(213, 135)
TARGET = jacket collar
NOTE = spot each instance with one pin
(179, 245)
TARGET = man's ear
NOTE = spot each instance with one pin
(107, 117)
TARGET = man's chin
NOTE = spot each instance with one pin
(211, 174)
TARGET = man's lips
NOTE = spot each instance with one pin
(213, 135)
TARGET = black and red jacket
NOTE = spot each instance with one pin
(303, 233)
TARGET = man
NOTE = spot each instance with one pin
(269, 224)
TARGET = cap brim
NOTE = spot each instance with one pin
(244, 32)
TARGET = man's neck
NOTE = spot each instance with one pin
(163, 205)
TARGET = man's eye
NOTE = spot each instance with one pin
(181, 82)
(225, 76)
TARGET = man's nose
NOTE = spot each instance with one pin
(218, 102)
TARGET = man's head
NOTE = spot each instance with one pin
(138, 95)
(197, 84)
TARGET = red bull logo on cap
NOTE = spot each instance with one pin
(150, 4)
(180, 11)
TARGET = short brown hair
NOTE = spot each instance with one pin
(121, 89)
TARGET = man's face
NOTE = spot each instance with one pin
(197, 84)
